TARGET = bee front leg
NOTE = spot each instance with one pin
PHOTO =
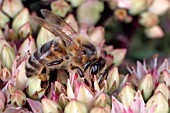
(104, 75)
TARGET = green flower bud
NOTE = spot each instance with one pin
(4, 20)
(21, 79)
(63, 100)
(154, 32)
(76, 3)
(70, 19)
(25, 30)
(60, 7)
(102, 100)
(11, 88)
(43, 37)
(146, 86)
(89, 12)
(50, 106)
(7, 56)
(159, 101)
(126, 95)
(59, 88)
(18, 98)
(36, 87)
(98, 110)
(113, 80)
(165, 78)
(27, 45)
(148, 19)
(5, 74)
(22, 18)
(119, 55)
(159, 7)
(84, 94)
(75, 106)
(164, 90)
(9, 7)
(137, 6)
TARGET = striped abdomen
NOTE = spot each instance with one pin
(49, 52)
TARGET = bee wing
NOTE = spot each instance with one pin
(53, 29)
(59, 23)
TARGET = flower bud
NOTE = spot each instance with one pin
(146, 86)
(75, 106)
(137, 6)
(164, 90)
(63, 100)
(43, 37)
(22, 18)
(148, 19)
(9, 7)
(9, 33)
(4, 20)
(21, 79)
(50, 106)
(25, 30)
(2, 101)
(102, 100)
(89, 12)
(154, 32)
(18, 98)
(159, 7)
(126, 95)
(7, 56)
(11, 88)
(119, 55)
(96, 35)
(84, 94)
(159, 101)
(70, 19)
(2, 43)
(113, 80)
(165, 78)
(120, 14)
(36, 87)
(77, 2)
(5, 74)
(27, 45)
(59, 88)
(60, 7)
(98, 109)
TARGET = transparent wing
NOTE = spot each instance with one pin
(53, 29)
(59, 23)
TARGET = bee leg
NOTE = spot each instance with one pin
(80, 72)
(104, 75)
(55, 63)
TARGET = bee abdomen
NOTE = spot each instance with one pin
(49, 52)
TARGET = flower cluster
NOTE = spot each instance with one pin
(146, 11)
(144, 90)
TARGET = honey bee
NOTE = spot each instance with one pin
(71, 52)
